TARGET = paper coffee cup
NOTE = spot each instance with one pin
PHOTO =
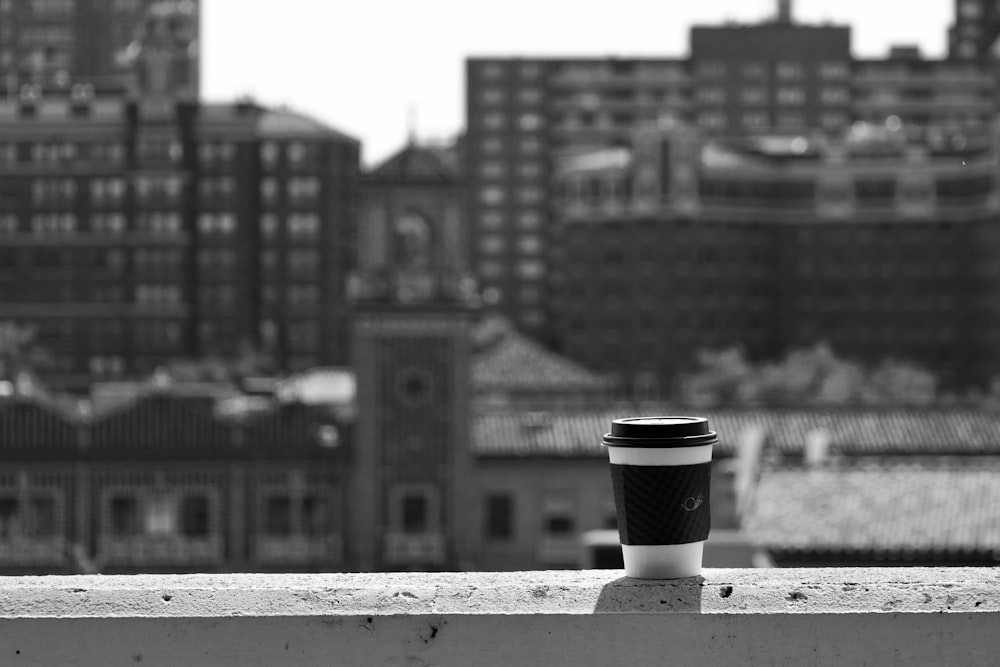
(661, 474)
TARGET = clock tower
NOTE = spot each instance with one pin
(413, 303)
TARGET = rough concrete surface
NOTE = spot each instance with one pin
(727, 616)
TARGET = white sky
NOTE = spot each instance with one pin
(362, 65)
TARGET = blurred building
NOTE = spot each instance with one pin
(144, 227)
(50, 45)
(181, 477)
(878, 245)
(974, 33)
(523, 114)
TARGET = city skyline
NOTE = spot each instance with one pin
(377, 87)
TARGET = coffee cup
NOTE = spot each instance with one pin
(661, 471)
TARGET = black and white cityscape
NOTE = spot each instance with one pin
(228, 344)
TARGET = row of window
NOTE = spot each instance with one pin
(780, 70)
(299, 225)
(524, 269)
(296, 154)
(497, 120)
(715, 119)
(526, 169)
(495, 96)
(61, 151)
(556, 513)
(495, 195)
(784, 95)
(298, 189)
(495, 244)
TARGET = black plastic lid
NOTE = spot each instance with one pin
(665, 431)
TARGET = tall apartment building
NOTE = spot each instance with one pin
(144, 228)
(775, 77)
(974, 33)
(53, 44)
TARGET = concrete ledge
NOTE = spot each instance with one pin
(795, 616)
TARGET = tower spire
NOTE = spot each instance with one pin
(784, 11)
(411, 122)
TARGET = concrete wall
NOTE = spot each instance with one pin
(882, 616)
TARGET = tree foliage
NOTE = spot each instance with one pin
(812, 375)
(20, 350)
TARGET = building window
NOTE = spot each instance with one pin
(493, 120)
(8, 224)
(413, 509)
(530, 70)
(530, 195)
(835, 95)
(269, 225)
(711, 95)
(270, 154)
(217, 223)
(789, 71)
(529, 96)
(530, 269)
(491, 96)
(529, 170)
(297, 153)
(158, 223)
(492, 195)
(218, 188)
(791, 96)
(310, 514)
(110, 223)
(754, 70)
(530, 244)
(303, 225)
(216, 152)
(755, 120)
(753, 96)
(499, 523)
(29, 515)
(303, 295)
(492, 170)
(833, 121)
(530, 145)
(492, 244)
(791, 119)
(302, 189)
(558, 513)
(529, 122)
(132, 514)
(491, 269)
(491, 220)
(492, 146)
(49, 224)
(834, 69)
(712, 119)
(529, 220)
(711, 69)
(493, 70)
(107, 191)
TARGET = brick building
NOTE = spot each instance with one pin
(189, 478)
(879, 246)
(52, 45)
(523, 114)
(147, 227)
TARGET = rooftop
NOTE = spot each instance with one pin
(928, 508)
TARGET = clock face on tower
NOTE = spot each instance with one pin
(414, 386)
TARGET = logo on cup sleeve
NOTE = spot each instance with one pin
(691, 503)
